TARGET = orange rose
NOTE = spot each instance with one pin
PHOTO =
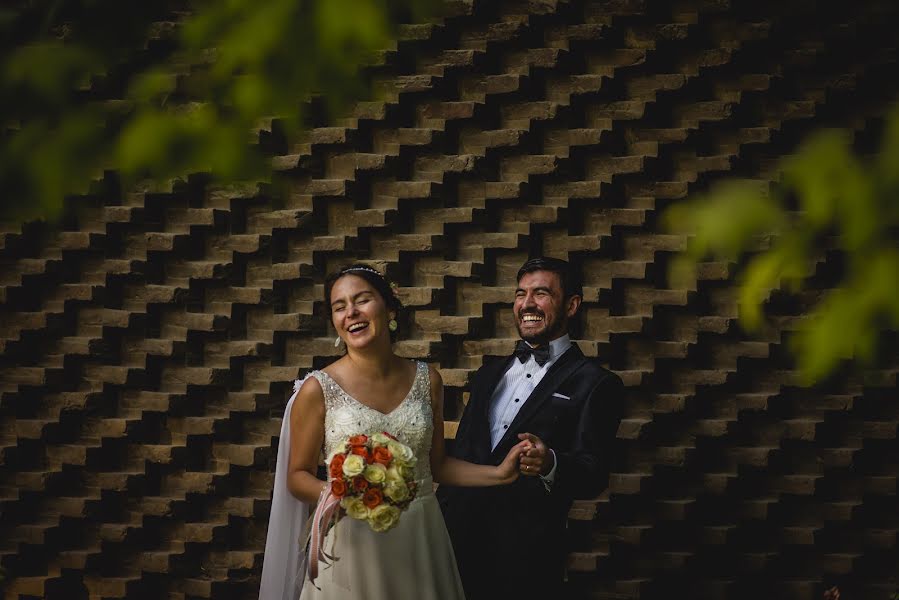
(358, 440)
(382, 455)
(336, 467)
(372, 497)
(363, 452)
(338, 488)
(359, 484)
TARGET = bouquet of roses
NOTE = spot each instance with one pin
(373, 475)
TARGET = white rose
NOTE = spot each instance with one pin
(341, 448)
(402, 454)
(355, 508)
(375, 473)
(353, 465)
(379, 439)
(397, 492)
(383, 517)
(394, 475)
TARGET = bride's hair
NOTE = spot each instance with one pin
(375, 279)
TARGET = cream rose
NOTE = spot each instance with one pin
(355, 508)
(402, 454)
(339, 449)
(375, 473)
(383, 517)
(353, 465)
(397, 491)
(379, 439)
(394, 475)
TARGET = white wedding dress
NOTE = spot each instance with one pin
(414, 559)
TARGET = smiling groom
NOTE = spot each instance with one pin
(510, 539)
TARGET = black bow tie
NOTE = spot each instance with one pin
(523, 351)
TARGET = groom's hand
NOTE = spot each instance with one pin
(538, 460)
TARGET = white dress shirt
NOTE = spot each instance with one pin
(514, 389)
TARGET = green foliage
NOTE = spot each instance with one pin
(163, 88)
(844, 203)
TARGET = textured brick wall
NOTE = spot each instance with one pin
(148, 350)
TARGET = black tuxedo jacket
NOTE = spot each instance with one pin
(575, 409)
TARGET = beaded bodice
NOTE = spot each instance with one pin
(411, 421)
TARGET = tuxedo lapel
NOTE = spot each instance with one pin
(561, 369)
(480, 396)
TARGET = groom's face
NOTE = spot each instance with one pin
(541, 309)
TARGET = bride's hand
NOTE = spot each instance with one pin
(509, 468)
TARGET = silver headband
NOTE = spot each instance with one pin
(366, 269)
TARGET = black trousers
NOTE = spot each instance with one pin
(493, 569)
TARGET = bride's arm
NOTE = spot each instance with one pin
(452, 471)
(307, 432)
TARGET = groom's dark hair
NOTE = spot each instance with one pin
(571, 281)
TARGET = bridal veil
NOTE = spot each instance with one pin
(284, 561)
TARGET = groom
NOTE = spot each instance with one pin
(509, 540)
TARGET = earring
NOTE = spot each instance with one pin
(392, 325)
(337, 342)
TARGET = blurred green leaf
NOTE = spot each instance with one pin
(152, 86)
(847, 323)
(785, 263)
(725, 221)
(815, 173)
(358, 35)
(887, 163)
(257, 34)
(195, 86)
(250, 94)
(839, 194)
(832, 186)
(827, 337)
(48, 70)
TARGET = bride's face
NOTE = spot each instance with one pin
(358, 311)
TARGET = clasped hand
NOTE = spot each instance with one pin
(528, 457)
(536, 458)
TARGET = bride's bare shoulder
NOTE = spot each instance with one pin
(310, 399)
(310, 386)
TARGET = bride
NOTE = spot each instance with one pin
(368, 389)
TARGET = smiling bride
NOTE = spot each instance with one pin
(369, 389)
